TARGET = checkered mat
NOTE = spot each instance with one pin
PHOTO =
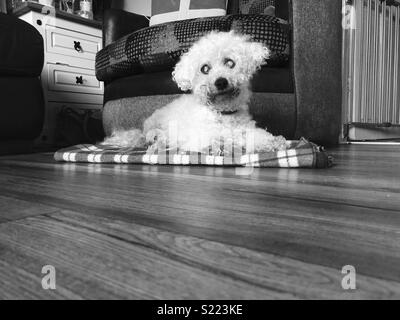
(300, 154)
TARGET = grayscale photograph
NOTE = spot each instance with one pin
(200, 158)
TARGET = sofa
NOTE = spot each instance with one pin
(297, 94)
(21, 98)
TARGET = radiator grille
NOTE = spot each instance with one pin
(371, 61)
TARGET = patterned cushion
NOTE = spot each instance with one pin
(173, 10)
(159, 47)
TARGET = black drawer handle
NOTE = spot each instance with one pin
(77, 46)
(79, 80)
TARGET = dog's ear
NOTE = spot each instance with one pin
(257, 55)
(184, 72)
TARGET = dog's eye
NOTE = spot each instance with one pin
(205, 69)
(229, 63)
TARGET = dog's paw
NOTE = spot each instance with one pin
(155, 136)
(157, 140)
(264, 141)
(126, 139)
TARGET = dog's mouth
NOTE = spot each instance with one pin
(229, 112)
(222, 100)
(230, 93)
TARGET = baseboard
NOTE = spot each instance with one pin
(371, 133)
(16, 147)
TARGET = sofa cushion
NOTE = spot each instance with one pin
(173, 10)
(277, 80)
(275, 111)
(21, 48)
(159, 47)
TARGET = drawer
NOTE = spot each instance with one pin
(71, 43)
(74, 97)
(70, 79)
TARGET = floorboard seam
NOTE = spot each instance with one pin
(174, 257)
(315, 200)
(207, 268)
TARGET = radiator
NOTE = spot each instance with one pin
(371, 73)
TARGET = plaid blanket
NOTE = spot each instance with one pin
(300, 154)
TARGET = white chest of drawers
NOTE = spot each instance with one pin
(68, 76)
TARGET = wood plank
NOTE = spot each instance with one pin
(108, 258)
(349, 214)
(353, 169)
(231, 210)
(15, 209)
(331, 185)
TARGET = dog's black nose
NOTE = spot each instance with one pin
(221, 83)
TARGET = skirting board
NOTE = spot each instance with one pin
(16, 147)
(378, 133)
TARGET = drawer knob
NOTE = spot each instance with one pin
(77, 46)
(79, 80)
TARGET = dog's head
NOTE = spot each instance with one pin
(218, 67)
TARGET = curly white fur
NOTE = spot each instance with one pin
(217, 70)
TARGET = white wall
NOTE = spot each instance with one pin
(137, 6)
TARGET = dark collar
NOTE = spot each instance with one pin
(228, 113)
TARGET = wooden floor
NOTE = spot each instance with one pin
(119, 231)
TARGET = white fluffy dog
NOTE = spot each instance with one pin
(217, 70)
